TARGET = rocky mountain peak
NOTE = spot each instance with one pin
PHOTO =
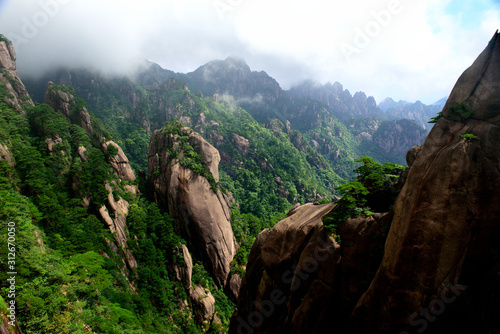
(7, 55)
(389, 103)
(233, 76)
(477, 87)
(436, 269)
(201, 211)
(445, 228)
(17, 97)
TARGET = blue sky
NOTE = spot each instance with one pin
(468, 13)
(405, 49)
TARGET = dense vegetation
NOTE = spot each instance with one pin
(69, 276)
(72, 275)
(374, 189)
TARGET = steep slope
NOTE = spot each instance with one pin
(338, 99)
(264, 182)
(397, 137)
(183, 177)
(92, 254)
(61, 100)
(445, 233)
(17, 96)
(430, 264)
(417, 111)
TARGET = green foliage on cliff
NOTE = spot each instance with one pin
(359, 196)
(69, 278)
(469, 137)
(461, 110)
(185, 154)
(266, 169)
(436, 118)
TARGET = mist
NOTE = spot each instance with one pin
(407, 50)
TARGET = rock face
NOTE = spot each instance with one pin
(441, 253)
(201, 212)
(184, 271)
(479, 87)
(288, 267)
(17, 96)
(6, 155)
(6, 328)
(120, 162)
(7, 324)
(203, 302)
(64, 102)
(118, 225)
(397, 137)
(202, 299)
(431, 265)
(300, 280)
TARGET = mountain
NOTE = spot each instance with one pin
(310, 108)
(92, 252)
(234, 77)
(425, 260)
(441, 102)
(147, 195)
(229, 80)
(340, 101)
(389, 103)
(417, 111)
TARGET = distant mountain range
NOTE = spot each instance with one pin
(328, 117)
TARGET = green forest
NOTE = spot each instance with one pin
(57, 178)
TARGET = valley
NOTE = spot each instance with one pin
(217, 202)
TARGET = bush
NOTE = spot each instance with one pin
(373, 178)
(469, 137)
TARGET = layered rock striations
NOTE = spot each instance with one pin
(200, 209)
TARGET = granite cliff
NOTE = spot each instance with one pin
(429, 264)
(184, 183)
(444, 235)
(18, 98)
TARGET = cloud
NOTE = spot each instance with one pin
(406, 49)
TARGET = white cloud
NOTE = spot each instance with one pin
(416, 53)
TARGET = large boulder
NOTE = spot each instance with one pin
(299, 279)
(445, 233)
(201, 211)
(288, 267)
